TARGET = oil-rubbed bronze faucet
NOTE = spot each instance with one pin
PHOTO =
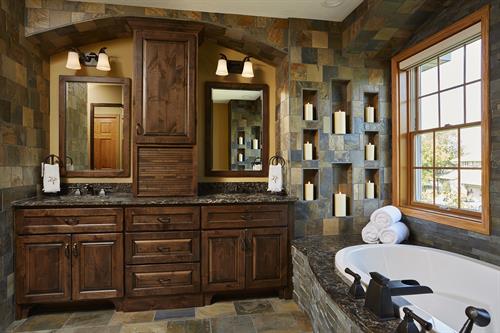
(380, 291)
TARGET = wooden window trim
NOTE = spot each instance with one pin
(401, 187)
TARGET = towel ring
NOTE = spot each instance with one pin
(53, 159)
(277, 159)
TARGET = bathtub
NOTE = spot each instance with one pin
(457, 281)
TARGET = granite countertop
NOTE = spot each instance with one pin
(127, 199)
(320, 252)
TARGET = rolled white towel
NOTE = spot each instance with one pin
(394, 234)
(385, 216)
(370, 233)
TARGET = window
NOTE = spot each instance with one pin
(440, 117)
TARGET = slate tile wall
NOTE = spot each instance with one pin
(316, 62)
(472, 244)
(24, 125)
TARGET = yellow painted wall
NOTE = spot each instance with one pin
(220, 139)
(121, 58)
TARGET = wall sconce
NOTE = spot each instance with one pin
(76, 58)
(224, 67)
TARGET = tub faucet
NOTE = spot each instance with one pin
(380, 291)
(477, 316)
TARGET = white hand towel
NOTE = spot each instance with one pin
(385, 217)
(275, 183)
(370, 233)
(394, 234)
(51, 178)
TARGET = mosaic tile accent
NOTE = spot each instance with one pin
(24, 125)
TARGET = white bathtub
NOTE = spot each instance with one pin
(457, 281)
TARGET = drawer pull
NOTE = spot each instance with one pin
(72, 221)
(246, 217)
(163, 249)
(165, 281)
(164, 220)
(66, 250)
(75, 249)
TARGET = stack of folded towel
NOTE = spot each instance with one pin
(385, 226)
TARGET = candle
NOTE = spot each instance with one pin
(340, 204)
(308, 151)
(339, 119)
(308, 111)
(240, 157)
(255, 144)
(369, 114)
(370, 152)
(240, 140)
(309, 191)
(370, 190)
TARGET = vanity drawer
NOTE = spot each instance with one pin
(162, 247)
(243, 216)
(165, 279)
(162, 218)
(68, 220)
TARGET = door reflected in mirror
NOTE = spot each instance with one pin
(237, 124)
(95, 138)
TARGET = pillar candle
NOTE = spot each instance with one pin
(339, 122)
(370, 190)
(240, 157)
(309, 191)
(370, 152)
(240, 140)
(308, 111)
(369, 114)
(340, 204)
(255, 144)
(308, 151)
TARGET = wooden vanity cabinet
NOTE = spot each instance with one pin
(72, 262)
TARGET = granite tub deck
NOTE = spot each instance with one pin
(127, 199)
(322, 293)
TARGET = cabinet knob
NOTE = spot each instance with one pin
(164, 219)
(72, 220)
(139, 129)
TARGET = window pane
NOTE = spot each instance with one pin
(451, 69)
(447, 188)
(447, 148)
(423, 185)
(428, 116)
(470, 190)
(473, 102)
(424, 153)
(473, 61)
(428, 77)
(470, 147)
(452, 107)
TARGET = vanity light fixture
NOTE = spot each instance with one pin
(100, 61)
(225, 66)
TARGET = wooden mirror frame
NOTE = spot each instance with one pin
(209, 132)
(125, 170)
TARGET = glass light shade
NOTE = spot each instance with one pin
(73, 61)
(222, 68)
(103, 62)
(247, 69)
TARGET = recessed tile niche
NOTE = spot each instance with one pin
(340, 101)
(310, 96)
(371, 99)
(312, 176)
(342, 182)
(311, 136)
(373, 175)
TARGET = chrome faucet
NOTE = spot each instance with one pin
(381, 289)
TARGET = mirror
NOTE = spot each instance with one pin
(237, 129)
(94, 119)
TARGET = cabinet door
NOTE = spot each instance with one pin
(267, 257)
(97, 268)
(43, 268)
(223, 260)
(165, 87)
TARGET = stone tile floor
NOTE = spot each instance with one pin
(245, 316)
